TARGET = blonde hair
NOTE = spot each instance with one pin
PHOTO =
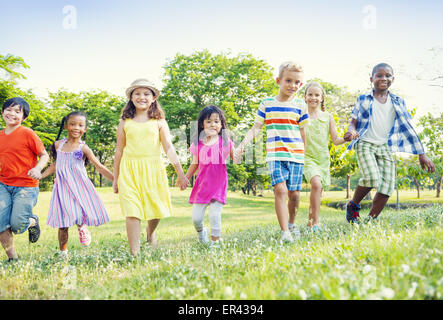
(290, 66)
(318, 85)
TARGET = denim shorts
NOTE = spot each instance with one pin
(289, 171)
(16, 204)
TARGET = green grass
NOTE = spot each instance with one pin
(397, 258)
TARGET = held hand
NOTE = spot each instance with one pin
(350, 135)
(426, 163)
(115, 186)
(35, 173)
(182, 182)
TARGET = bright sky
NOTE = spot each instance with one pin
(114, 42)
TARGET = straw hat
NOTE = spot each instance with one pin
(142, 83)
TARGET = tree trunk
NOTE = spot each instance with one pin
(348, 186)
(101, 180)
(418, 188)
(438, 187)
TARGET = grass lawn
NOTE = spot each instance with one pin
(399, 257)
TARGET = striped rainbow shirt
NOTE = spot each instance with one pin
(283, 121)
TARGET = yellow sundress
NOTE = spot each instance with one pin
(142, 182)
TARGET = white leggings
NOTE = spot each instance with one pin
(215, 210)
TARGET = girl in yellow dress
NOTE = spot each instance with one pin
(140, 176)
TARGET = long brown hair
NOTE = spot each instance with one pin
(155, 111)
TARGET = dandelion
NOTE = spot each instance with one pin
(387, 293)
(368, 268)
(412, 289)
(228, 291)
(405, 268)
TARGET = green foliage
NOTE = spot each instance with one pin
(9, 63)
(236, 84)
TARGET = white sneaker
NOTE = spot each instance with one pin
(215, 244)
(63, 254)
(203, 236)
(295, 231)
(286, 236)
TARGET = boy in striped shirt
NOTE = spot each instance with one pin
(285, 117)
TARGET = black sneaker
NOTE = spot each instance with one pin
(34, 232)
(13, 260)
(352, 212)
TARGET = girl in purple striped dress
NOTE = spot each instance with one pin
(74, 199)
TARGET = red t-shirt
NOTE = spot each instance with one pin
(18, 155)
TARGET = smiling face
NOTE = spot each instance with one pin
(142, 98)
(212, 125)
(382, 78)
(289, 83)
(13, 115)
(75, 126)
(314, 97)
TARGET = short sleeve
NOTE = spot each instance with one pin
(261, 114)
(35, 144)
(304, 116)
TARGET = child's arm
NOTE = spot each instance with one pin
(36, 172)
(303, 134)
(251, 134)
(333, 132)
(352, 132)
(100, 168)
(193, 167)
(169, 149)
(121, 143)
(49, 170)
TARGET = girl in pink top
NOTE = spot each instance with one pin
(210, 148)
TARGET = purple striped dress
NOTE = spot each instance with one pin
(74, 199)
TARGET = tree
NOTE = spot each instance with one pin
(10, 63)
(236, 84)
(431, 136)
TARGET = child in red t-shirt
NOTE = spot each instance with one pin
(19, 174)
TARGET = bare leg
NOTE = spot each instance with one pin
(378, 204)
(133, 231)
(152, 225)
(293, 204)
(315, 201)
(281, 208)
(359, 193)
(7, 241)
(63, 236)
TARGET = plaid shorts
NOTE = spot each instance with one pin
(376, 166)
(291, 172)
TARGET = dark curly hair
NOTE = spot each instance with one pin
(60, 130)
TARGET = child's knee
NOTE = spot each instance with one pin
(19, 224)
(198, 223)
(280, 190)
